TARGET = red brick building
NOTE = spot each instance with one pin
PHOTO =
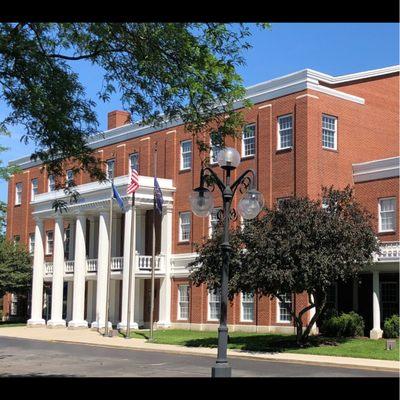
(305, 130)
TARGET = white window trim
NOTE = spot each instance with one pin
(31, 235)
(179, 318)
(241, 310)
(181, 163)
(380, 230)
(278, 313)
(107, 168)
(32, 187)
(335, 135)
(209, 221)
(243, 146)
(279, 132)
(66, 175)
(180, 226)
(47, 243)
(212, 154)
(209, 308)
(49, 178)
(18, 200)
(130, 161)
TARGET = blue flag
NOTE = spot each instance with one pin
(118, 197)
(158, 196)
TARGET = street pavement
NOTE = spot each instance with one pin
(32, 358)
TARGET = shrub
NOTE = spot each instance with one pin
(391, 327)
(345, 325)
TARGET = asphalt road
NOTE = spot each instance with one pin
(31, 358)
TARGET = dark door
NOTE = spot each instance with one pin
(365, 301)
(147, 302)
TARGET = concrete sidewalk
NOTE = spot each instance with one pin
(93, 338)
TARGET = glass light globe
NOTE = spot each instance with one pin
(251, 204)
(228, 157)
(202, 202)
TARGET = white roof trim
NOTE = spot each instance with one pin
(376, 169)
(264, 91)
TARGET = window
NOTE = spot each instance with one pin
(184, 226)
(284, 308)
(110, 169)
(18, 193)
(249, 141)
(51, 183)
(186, 154)
(17, 239)
(49, 242)
(214, 304)
(31, 243)
(247, 307)
(285, 132)
(183, 302)
(213, 220)
(14, 303)
(389, 299)
(329, 132)
(34, 188)
(387, 215)
(134, 161)
(70, 176)
(215, 148)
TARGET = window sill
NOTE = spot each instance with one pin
(284, 322)
(245, 158)
(329, 149)
(285, 150)
(182, 171)
(184, 242)
(382, 233)
(18, 205)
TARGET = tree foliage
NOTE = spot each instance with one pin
(296, 248)
(15, 268)
(163, 72)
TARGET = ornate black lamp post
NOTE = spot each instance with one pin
(250, 205)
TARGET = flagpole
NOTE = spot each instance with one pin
(132, 263)
(109, 261)
(153, 248)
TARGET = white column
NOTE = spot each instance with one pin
(314, 328)
(70, 296)
(58, 276)
(125, 276)
(102, 265)
(376, 332)
(165, 287)
(37, 279)
(78, 320)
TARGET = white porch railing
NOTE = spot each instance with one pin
(91, 265)
(117, 263)
(144, 263)
(390, 251)
(69, 267)
(48, 268)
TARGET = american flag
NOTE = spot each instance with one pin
(134, 183)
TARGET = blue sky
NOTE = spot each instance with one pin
(331, 48)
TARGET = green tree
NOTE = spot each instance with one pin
(15, 268)
(296, 248)
(162, 71)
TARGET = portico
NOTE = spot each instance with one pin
(80, 259)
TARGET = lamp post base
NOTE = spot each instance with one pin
(222, 370)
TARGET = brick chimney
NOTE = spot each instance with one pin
(118, 118)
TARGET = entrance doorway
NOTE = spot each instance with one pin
(147, 301)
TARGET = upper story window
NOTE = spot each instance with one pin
(51, 183)
(249, 140)
(247, 312)
(34, 188)
(134, 161)
(31, 243)
(285, 132)
(184, 226)
(70, 176)
(329, 132)
(110, 169)
(284, 308)
(49, 242)
(215, 148)
(387, 214)
(18, 193)
(213, 220)
(67, 241)
(214, 304)
(183, 302)
(186, 154)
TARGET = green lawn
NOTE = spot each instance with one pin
(358, 347)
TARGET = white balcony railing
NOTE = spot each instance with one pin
(144, 263)
(117, 263)
(48, 268)
(389, 251)
(91, 265)
(69, 267)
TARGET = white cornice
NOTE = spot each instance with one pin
(376, 169)
(264, 91)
